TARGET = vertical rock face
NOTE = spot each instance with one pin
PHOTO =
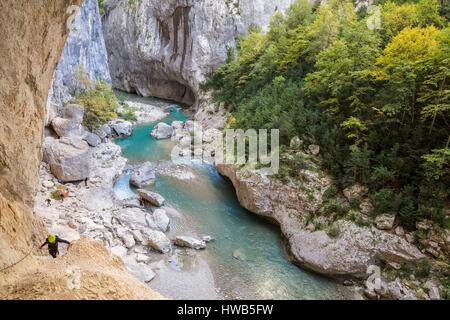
(33, 35)
(349, 254)
(166, 48)
(84, 51)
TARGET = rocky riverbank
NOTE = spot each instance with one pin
(339, 248)
(76, 198)
(348, 248)
(138, 230)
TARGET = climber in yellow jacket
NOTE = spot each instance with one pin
(52, 242)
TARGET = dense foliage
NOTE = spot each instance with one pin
(100, 102)
(376, 101)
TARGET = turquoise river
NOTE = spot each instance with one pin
(209, 203)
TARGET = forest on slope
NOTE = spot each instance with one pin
(376, 98)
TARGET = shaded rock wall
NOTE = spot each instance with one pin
(84, 51)
(166, 48)
(33, 36)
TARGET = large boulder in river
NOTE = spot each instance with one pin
(69, 158)
(144, 175)
(157, 240)
(162, 131)
(121, 127)
(152, 197)
(190, 242)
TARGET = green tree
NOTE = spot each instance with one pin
(402, 67)
(435, 91)
(100, 105)
(376, 101)
(396, 17)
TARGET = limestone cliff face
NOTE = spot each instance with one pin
(33, 35)
(166, 48)
(290, 205)
(84, 51)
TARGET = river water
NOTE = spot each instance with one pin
(247, 258)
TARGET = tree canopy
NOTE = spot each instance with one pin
(376, 101)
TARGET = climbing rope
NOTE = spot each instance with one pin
(10, 266)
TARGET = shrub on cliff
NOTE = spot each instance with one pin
(127, 113)
(100, 104)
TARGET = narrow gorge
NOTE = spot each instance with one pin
(98, 97)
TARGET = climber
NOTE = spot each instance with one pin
(52, 242)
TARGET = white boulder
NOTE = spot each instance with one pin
(162, 131)
(157, 240)
(69, 158)
(143, 176)
(161, 219)
(121, 127)
(190, 242)
(152, 197)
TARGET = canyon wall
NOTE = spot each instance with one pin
(84, 55)
(166, 48)
(33, 36)
(291, 205)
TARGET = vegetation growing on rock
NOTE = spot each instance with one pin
(100, 103)
(376, 101)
